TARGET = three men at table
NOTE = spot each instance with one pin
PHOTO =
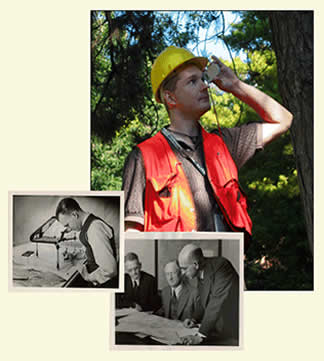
(214, 304)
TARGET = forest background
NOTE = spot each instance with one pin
(124, 45)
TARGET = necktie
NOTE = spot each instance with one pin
(174, 296)
(173, 306)
(135, 290)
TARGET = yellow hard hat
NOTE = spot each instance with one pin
(170, 59)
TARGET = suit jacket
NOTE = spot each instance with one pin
(219, 293)
(189, 305)
(147, 296)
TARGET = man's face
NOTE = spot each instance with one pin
(172, 274)
(71, 222)
(133, 268)
(191, 92)
(188, 267)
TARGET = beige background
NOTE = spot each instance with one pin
(45, 146)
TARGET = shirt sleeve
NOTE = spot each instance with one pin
(134, 187)
(99, 238)
(243, 141)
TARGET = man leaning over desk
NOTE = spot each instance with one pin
(98, 239)
(218, 287)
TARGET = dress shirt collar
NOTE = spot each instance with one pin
(136, 282)
(201, 274)
(177, 290)
(187, 141)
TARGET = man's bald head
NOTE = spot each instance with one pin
(190, 258)
(190, 253)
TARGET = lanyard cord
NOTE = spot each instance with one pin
(169, 136)
(214, 109)
(225, 169)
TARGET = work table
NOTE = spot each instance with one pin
(30, 270)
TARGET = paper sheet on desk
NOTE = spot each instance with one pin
(125, 311)
(46, 262)
(23, 276)
(187, 331)
(165, 330)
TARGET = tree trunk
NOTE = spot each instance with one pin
(293, 43)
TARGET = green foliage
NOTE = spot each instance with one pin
(121, 57)
(279, 234)
(251, 33)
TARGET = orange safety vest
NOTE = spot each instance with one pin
(169, 206)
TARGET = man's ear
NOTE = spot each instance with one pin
(75, 214)
(170, 98)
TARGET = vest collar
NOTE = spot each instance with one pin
(85, 218)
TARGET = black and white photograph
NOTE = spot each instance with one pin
(66, 240)
(181, 290)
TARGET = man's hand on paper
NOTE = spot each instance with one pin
(191, 340)
(189, 323)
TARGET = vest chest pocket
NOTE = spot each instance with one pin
(160, 200)
(165, 193)
(234, 203)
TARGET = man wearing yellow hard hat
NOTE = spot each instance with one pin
(183, 178)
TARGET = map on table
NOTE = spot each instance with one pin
(159, 328)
